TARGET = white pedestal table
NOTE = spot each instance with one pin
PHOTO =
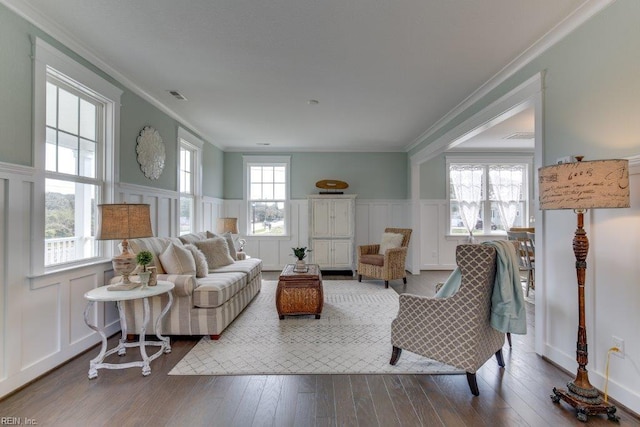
(102, 294)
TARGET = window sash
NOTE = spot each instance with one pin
(488, 219)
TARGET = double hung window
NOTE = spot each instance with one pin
(267, 188)
(189, 168)
(76, 116)
(487, 197)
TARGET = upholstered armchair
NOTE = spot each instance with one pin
(387, 266)
(455, 330)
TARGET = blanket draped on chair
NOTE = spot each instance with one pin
(508, 312)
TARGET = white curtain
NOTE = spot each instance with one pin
(466, 181)
(506, 189)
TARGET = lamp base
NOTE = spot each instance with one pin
(586, 402)
(124, 286)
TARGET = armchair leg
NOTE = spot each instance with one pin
(500, 358)
(509, 338)
(473, 383)
(395, 355)
(386, 283)
(359, 277)
(404, 280)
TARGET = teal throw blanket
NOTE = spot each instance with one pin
(508, 312)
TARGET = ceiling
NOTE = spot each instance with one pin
(382, 72)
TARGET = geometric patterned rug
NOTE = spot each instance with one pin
(351, 337)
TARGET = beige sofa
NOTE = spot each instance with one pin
(201, 305)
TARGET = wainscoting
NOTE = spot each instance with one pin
(42, 314)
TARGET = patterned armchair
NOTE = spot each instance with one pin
(455, 330)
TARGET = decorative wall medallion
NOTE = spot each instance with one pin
(151, 153)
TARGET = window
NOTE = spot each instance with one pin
(76, 115)
(487, 198)
(267, 188)
(189, 167)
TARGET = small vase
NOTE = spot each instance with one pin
(300, 266)
(144, 278)
(153, 279)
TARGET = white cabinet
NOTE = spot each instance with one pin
(331, 231)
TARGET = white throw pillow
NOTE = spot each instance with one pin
(177, 260)
(202, 268)
(390, 241)
(216, 251)
(231, 245)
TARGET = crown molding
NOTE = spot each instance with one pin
(31, 14)
(557, 33)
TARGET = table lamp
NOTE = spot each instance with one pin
(230, 225)
(123, 221)
(581, 186)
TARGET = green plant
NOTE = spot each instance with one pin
(144, 258)
(300, 253)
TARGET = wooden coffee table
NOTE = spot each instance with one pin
(299, 293)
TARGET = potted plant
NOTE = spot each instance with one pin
(301, 254)
(144, 258)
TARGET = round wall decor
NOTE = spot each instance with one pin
(151, 153)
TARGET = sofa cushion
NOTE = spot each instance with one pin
(216, 289)
(193, 237)
(155, 245)
(251, 267)
(231, 245)
(216, 251)
(390, 241)
(202, 268)
(177, 260)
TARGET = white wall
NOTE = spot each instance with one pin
(612, 293)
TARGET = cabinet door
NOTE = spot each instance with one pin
(321, 253)
(342, 253)
(321, 221)
(342, 218)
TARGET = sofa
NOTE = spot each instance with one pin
(207, 299)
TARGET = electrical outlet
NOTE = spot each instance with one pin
(619, 343)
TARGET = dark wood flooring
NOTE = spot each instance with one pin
(515, 396)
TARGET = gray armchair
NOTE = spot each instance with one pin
(455, 330)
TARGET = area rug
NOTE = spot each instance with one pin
(351, 337)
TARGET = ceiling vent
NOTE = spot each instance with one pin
(178, 95)
(521, 135)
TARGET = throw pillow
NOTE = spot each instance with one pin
(231, 245)
(390, 241)
(216, 251)
(177, 260)
(202, 268)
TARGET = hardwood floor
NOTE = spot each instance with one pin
(515, 396)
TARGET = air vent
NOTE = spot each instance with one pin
(177, 95)
(520, 135)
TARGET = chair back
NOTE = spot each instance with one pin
(406, 234)
(477, 265)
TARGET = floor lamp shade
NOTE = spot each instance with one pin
(227, 225)
(585, 185)
(581, 186)
(124, 221)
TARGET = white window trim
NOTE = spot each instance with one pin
(47, 57)
(481, 160)
(248, 161)
(189, 140)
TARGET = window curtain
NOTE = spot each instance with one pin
(505, 183)
(466, 181)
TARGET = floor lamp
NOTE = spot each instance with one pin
(581, 186)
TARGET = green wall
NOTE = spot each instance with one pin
(369, 175)
(591, 93)
(16, 112)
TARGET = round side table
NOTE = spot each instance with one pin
(102, 294)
